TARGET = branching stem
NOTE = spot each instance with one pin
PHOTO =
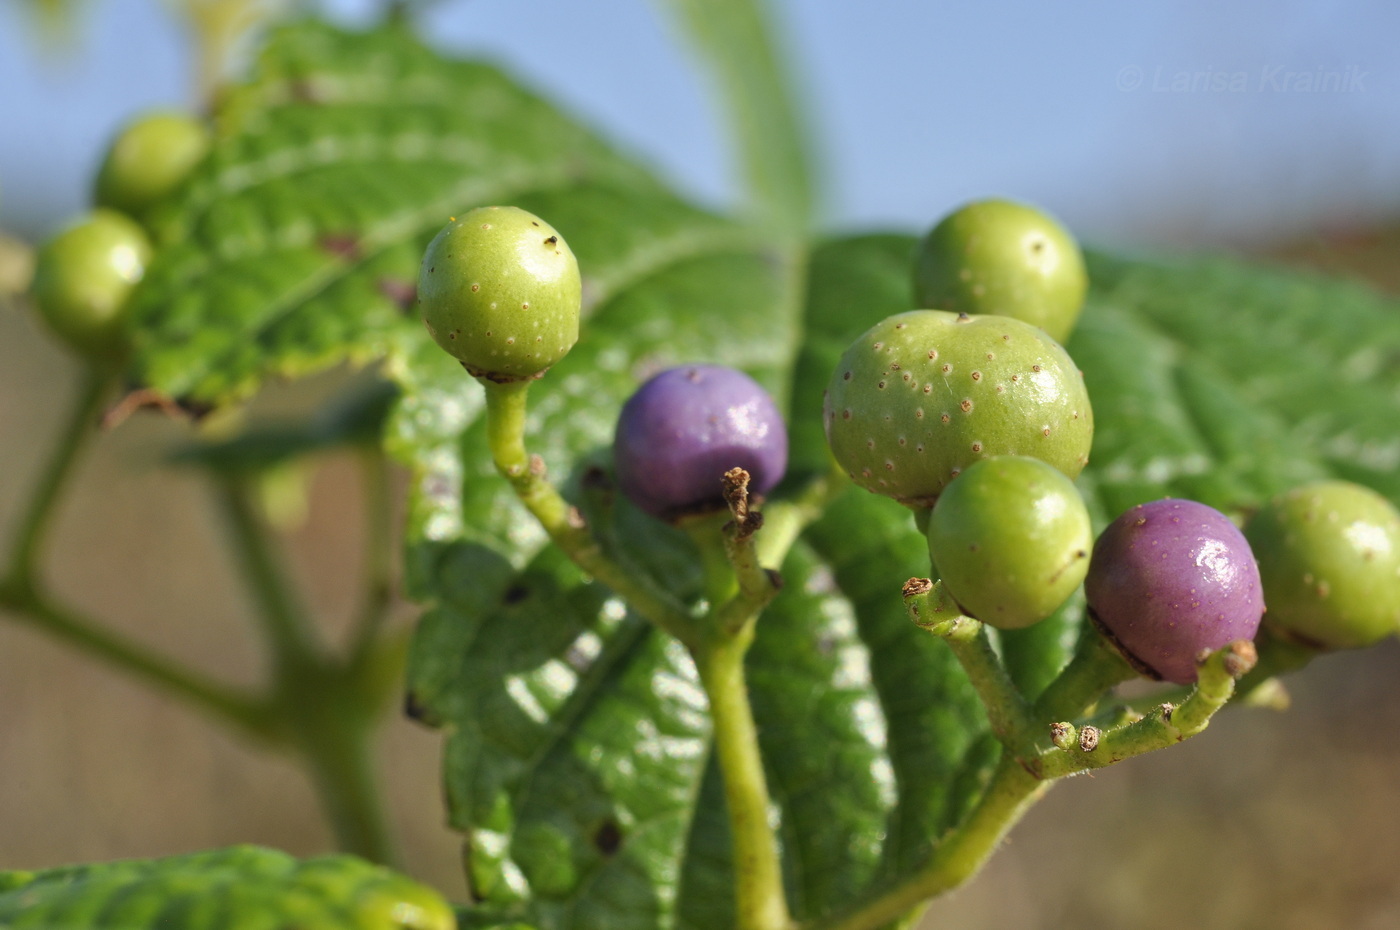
(1090, 748)
(78, 429)
(960, 854)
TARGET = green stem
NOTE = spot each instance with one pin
(379, 554)
(253, 718)
(21, 591)
(759, 896)
(960, 854)
(78, 429)
(288, 631)
(1095, 668)
(784, 521)
(706, 532)
(327, 706)
(505, 431)
(922, 516)
(334, 733)
(1089, 748)
(932, 610)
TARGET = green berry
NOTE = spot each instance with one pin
(500, 292)
(149, 160)
(1003, 258)
(1329, 557)
(1010, 539)
(922, 395)
(83, 277)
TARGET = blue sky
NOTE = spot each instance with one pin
(1180, 122)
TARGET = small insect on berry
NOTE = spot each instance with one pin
(1170, 579)
(684, 428)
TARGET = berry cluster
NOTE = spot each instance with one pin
(84, 276)
(970, 413)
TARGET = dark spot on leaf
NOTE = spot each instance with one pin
(608, 839)
(304, 91)
(595, 479)
(515, 594)
(343, 245)
(414, 709)
(401, 292)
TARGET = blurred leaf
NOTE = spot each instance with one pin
(356, 417)
(739, 42)
(240, 888)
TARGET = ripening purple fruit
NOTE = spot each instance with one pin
(683, 429)
(1170, 579)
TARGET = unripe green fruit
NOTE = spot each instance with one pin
(500, 292)
(83, 277)
(1003, 258)
(1329, 558)
(149, 159)
(1010, 539)
(922, 395)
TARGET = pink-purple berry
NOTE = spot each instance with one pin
(1171, 579)
(683, 429)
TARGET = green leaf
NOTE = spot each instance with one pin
(1226, 383)
(241, 888)
(297, 243)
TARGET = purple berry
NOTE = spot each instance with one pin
(682, 430)
(1170, 579)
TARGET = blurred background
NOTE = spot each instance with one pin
(1267, 128)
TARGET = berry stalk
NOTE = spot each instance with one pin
(1089, 748)
(1095, 668)
(960, 854)
(760, 902)
(505, 429)
(933, 610)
